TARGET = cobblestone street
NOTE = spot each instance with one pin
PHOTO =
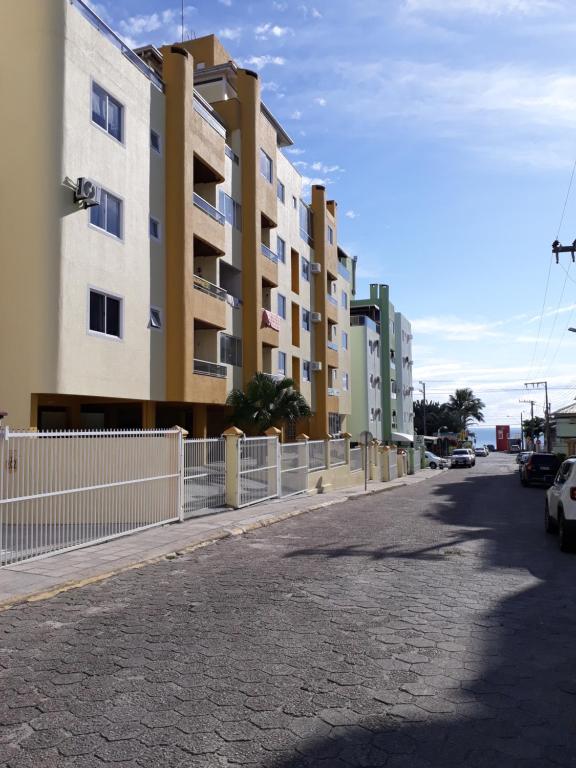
(431, 626)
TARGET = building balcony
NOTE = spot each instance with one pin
(332, 359)
(206, 368)
(209, 225)
(269, 266)
(270, 326)
(210, 303)
(332, 299)
(332, 345)
(208, 208)
(269, 253)
(365, 321)
(343, 272)
(207, 287)
(333, 392)
(207, 114)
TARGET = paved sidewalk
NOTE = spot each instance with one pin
(36, 579)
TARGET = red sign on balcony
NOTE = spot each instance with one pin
(270, 320)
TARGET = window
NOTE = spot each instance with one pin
(335, 421)
(105, 314)
(281, 249)
(306, 370)
(107, 215)
(280, 191)
(230, 349)
(294, 202)
(231, 210)
(154, 228)
(306, 319)
(155, 320)
(282, 362)
(344, 299)
(282, 306)
(155, 141)
(305, 219)
(344, 340)
(345, 381)
(107, 112)
(305, 269)
(266, 168)
(330, 234)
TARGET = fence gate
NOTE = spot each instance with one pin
(204, 475)
(294, 468)
(258, 470)
(63, 490)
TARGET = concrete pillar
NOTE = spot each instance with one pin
(347, 436)
(327, 439)
(148, 414)
(384, 463)
(232, 436)
(302, 438)
(200, 421)
(274, 460)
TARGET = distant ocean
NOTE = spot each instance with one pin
(487, 435)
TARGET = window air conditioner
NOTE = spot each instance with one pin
(87, 192)
(315, 267)
(316, 317)
(316, 365)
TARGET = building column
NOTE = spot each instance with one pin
(200, 420)
(148, 414)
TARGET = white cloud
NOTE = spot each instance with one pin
(317, 166)
(230, 33)
(259, 62)
(482, 7)
(296, 115)
(321, 101)
(265, 31)
(456, 329)
(271, 86)
(553, 312)
(227, 3)
(294, 151)
(309, 11)
(279, 6)
(300, 164)
(351, 214)
(309, 181)
(99, 9)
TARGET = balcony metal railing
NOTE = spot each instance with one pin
(206, 368)
(364, 320)
(332, 299)
(332, 345)
(207, 287)
(105, 30)
(343, 271)
(306, 237)
(208, 208)
(209, 116)
(269, 253)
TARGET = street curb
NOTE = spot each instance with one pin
(214, 536)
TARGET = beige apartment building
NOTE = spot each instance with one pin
(205, 261)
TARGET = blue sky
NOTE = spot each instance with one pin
(445, 129)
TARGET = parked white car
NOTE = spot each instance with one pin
(560, 506)
(433, 461)
(463, 457)
(481, 450)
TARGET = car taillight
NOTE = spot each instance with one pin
(528, 464)
(573, 494)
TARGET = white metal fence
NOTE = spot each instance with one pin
(316, 455)
(294, 468)
(62, 490)
(258, 469)
(355, 459)
(337, 452)
(204, 475)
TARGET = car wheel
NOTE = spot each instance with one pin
(549, 522)
(564, 538)
(432, 465)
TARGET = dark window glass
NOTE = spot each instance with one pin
(112, 316)
(155, 141)
(97, 312)
(99, 98)
(107, 112)
(230, 349)
(281, 249)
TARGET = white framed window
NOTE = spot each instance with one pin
(266, 166)
(104, 314)
(280, 191)
(231, 209)
(294, 202)
(344, 300)
(155, 320)
(281, 249)
(305, 269)
(330, 233)
(108, 215)
(345, 381)
(154, 228)
(282, 362)
(282, 306)
(306, 319)
(306, 370)
(107, 113)
(230, 349)
(344, 340)
(155, 141)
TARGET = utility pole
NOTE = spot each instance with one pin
(532, 403)
(423, 390)
(521, 431)
(538, 385)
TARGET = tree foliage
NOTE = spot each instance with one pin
(267, 402)
(466, 406)
(462, 408)
(533, 427)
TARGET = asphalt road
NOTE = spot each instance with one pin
(430, 626)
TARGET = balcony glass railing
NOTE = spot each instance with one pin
(332, 345)
(306, 237)
(343, 271)
(208, 208)
(269, 253)
(332, 299)
(206, 368)
(209, 116)
(367, 321)
(207, 287)
(333, 392)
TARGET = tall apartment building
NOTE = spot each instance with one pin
(203, 262)
(381, 369)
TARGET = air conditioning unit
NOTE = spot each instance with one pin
(316, 365)
(87, 192)
(316, 317)
(315, 267)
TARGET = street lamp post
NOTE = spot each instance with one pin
(438, 439)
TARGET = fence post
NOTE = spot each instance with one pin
(232, 473)
(182, 434)
(384, 463)
(327, 457)
(347, 436)
(274, 454)
(302, 438)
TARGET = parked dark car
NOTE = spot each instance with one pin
(491, 448)
(540, 468)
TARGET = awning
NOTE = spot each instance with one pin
(402, 437)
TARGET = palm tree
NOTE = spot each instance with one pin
(466, 406)
(267, 402)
